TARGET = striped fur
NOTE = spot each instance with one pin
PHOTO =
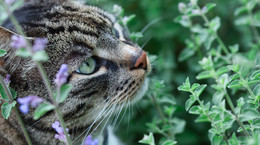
(75, 32)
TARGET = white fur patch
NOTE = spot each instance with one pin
(140, 93)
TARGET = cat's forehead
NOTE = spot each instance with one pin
(53, 18)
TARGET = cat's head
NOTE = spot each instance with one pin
(105, 68)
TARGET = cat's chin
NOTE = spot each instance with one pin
(140, 93)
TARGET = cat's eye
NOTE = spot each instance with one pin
(87, 67)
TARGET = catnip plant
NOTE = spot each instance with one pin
(38, 55)
(233, 111)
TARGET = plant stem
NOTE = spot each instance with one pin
(57, 111)
(246, 85)
(229, 102)
(209, 117)
(221, 43)
(170, 135)
(17, 114)
(233, 110)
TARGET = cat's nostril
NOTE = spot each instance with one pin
(140, 61)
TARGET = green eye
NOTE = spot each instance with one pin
(87, 67)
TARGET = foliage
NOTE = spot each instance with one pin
(217, 46)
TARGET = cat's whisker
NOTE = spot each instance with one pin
(118, 114)
(120, 120)
(108, 113)
(35, 123)
(112, 111)
(97, 118)
(150, 24)
(146, 42)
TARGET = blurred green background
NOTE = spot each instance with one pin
(165, 39)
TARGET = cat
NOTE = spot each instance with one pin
(106, 69)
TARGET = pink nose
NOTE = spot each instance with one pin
(141, 61)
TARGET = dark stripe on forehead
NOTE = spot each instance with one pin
(81, 17)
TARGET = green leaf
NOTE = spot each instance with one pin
(233, 77)
(222, 70)
(64, 92)
(256, 90)
(204, 75)
(209, 40)
(189, 103)
(127, 19)
(235, 84)
(2, 53)
(42, 109)
(181, 20)
(179, 125)
(169, 142)
(216, 140)
(199, 90)
(169, 110)
(185, 86)
(223, 80)
(14, 94)
(7, 108)
(148, 139)
(3, 93)
(206, 63)
(23, 53)
(234, 48)
(247, 127)
(256, 123)
(195, 110)
(243, 20)
(240, 10)
(214, 24)
(233, 140)
(255, 75)
(249, 114)
(195, 86)
(217, 97)
(40, 56)
(136, 35)
(185, 54)
(234, 67)
(208, 7)
(202, 118)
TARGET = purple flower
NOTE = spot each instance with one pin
(34, 101)
(39, 44)
(60, 136)
(18, 42)
(61, 76)
(7, 79)
(181, 7)
(56, 126)
(9, 2)
(90, 141)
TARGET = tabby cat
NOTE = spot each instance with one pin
(106, 69)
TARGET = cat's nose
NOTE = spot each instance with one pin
(140, 61)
